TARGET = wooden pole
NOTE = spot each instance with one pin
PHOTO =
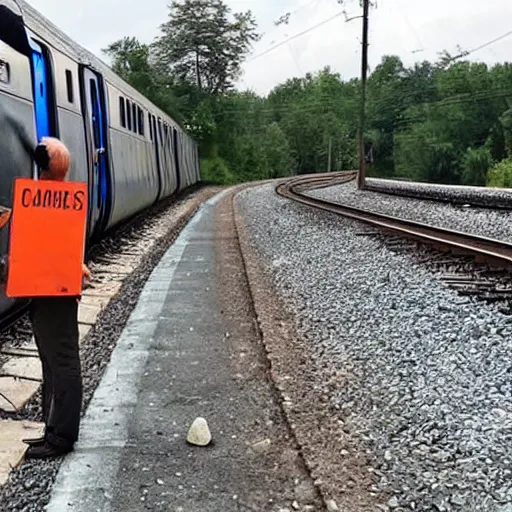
(329, 161)
(364, 71)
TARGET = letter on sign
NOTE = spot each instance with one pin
(47, 239)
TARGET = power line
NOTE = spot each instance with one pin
(411, 27)
(285, 18)
(331, 104)
(295, 58)
(272, 48)
(485, 45)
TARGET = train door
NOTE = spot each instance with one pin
(42, 88)
(159, 164)
(94, 113)
(176, 158)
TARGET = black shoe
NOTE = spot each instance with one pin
(35, 442)
(46, 451)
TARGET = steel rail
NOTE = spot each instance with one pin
(486, 249)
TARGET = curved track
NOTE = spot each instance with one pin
(484, 249)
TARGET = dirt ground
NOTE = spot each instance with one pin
(337, 464)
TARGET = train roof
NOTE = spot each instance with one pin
(54, 36)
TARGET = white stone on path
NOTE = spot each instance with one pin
(332, 506)
(199, 433)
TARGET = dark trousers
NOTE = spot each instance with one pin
(55, 325)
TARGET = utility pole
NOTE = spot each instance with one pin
(364, 70)
(329, 161)
(198, 74)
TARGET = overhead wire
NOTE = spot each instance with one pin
(404, 120)
(411, 27)
(295, 55)
(278, 45)
(295, 58)
(275, 23)
(481, 47)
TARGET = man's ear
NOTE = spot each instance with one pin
(42, 157)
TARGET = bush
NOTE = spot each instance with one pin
(475, 166)
(216, 171)
(501, 174)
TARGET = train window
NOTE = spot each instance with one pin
(150, 127)
(122, 112)
(134, 110)
(69, 84)
(155, 131)
(128, 114)
(141, 121)
(5, 72)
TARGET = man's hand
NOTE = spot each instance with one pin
(5, 215)
(86, 275)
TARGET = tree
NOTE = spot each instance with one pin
(200, 44)
(131, 61)
(276, 152)
(129, 56)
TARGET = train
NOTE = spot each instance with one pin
(131, 154)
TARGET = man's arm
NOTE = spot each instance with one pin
(5, 215)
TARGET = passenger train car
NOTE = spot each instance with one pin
(130, 153)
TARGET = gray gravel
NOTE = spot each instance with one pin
(481, 221)
(428, 390)
(482, 196)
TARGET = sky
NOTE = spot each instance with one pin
(413, 29)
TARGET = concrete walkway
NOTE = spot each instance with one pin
(189, 349)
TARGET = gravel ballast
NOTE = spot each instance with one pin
(427, 389)
(481, 221)
(481, 196)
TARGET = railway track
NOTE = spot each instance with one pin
(471, 265)
(486, 250)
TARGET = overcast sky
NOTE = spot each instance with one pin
(413, 29)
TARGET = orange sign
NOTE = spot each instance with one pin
(47, 239)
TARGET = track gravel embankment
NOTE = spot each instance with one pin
(426, 391)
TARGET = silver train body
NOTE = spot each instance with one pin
(129, 152)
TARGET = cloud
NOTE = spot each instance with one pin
(402, 27)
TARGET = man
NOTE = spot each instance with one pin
(55, 324)
(54, 319)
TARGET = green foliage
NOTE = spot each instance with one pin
(444, 122)
(475, 165)
(215, 170)
(275, 152)
(501, 174)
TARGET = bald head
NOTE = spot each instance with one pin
(53, 158)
